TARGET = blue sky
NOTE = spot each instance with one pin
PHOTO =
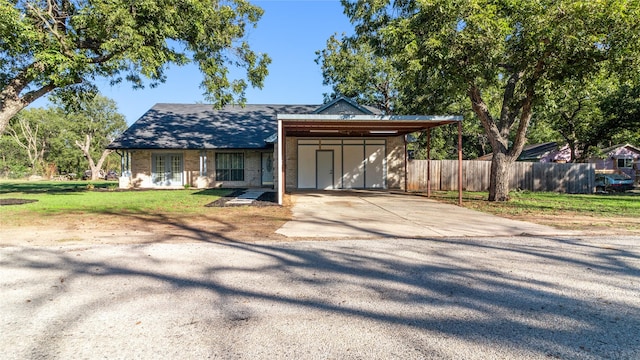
(289, 31)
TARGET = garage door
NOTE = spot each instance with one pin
(357, 163)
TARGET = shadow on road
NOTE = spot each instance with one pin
(562, 298)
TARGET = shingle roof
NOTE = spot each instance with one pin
(536, 151)
(200, 126)
(333, 107)
(616, 147)
(531, 152)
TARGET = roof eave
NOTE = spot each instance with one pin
(316, 117)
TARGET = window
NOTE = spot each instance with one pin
(230, 167)
(625, 163)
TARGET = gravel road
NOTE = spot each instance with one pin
(489, 298)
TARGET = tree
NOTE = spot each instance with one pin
(95, 121)
(572, 110)
(67, 137)
(353, 69)
(594, 112)
(621, 112)
(61, 44)
(522, 49)
(14, 162)
(25, 134)
(33, 131)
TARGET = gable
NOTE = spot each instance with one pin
(343, 106)
(623, 151)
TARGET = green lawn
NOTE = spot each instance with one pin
(101, 197)
(525, 202)
(82, 197)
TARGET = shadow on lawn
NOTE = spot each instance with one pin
(58, 187)
(414, 285)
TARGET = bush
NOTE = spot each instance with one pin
(15, 172)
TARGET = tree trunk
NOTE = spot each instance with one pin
(500, 175)
(86, 150)
(97, 168)
(10, 103)
(499, 132)
(6, 113)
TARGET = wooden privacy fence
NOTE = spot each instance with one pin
(566, 178)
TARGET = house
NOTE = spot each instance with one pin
(545, 152)
(622, 158)
(338, 145)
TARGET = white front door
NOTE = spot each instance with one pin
(324, 169)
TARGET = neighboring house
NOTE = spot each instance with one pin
(622, 158)
(618, 158)
(339, 145)
(546, 152)
(561, 154)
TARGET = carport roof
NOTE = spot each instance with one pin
(360, 125)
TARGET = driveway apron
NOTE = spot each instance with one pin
(367, 214)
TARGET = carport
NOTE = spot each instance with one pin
(350, 129)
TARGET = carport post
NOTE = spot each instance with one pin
(281, 179)
(406, 160)
(459, 162)
(429, 162)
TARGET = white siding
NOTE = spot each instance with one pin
(374, 170)
(358, 163)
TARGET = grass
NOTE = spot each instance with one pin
(72, 202)
(551, 204)
(101, 197)
(104, 197)
(98, 212)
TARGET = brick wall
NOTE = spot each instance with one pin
(141, 168)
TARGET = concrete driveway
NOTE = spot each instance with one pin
(371, 214)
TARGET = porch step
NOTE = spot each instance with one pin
(246, 198)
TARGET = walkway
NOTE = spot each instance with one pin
(247, 197)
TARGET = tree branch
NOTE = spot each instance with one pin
(508, 114)
(12, 90)
(498, 142)
(525, 118)
(52, 23)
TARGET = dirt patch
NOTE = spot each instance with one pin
(229, 224)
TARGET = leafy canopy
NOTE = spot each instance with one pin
(354, 70)
(48, 45)
(53, 134)
(519, 49)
